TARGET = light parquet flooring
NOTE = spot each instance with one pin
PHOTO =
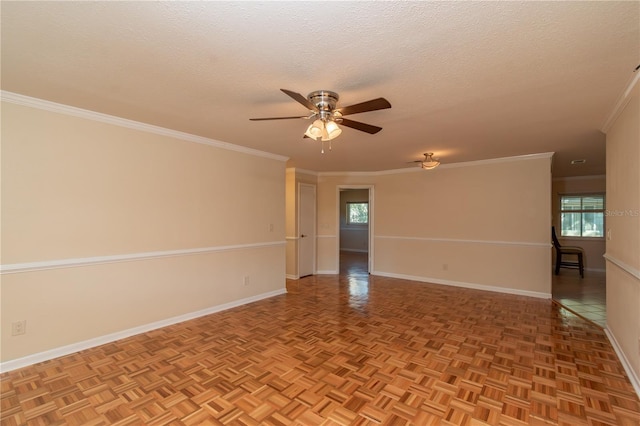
(351, 349)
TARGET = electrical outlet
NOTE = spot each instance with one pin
(18, 327)
(271, 227)
(246, 280)
(445, 267)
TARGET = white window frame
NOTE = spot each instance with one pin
(582, 211)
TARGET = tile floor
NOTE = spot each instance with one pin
(586, 296)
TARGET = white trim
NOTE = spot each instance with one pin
(355, 227)
(454, 240)
(304, 171)
(326, 236)
(292, 238)
(633, 377)
(15, 268)
(327, 272)
(292, 277)
(474, 286)
(443, 166)
(574, 178)
(582, 239)
(620, 264)
(621, 103)
(499, 160)
(27, 101)
(97, 341)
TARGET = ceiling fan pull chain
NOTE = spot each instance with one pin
(322, 145)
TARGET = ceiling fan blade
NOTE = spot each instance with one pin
(301, 99)
(364, 127)
(372, 105)
(278, 118)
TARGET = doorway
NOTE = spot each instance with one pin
(355, 213)
(584, 296)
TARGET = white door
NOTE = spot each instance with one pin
(307, 229)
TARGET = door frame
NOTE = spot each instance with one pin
(370, 262)
(299, 231)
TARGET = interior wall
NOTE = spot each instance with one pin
(481, 224)
(594, 248)
(353, 237)
(107, 228)
(291, 224)
(623, 226)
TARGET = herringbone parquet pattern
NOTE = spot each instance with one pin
(342, 350)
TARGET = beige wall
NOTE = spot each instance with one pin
(483, 224)
(593, 247)
(107, 228)
(623, 223)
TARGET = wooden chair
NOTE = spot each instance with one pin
(567, 251)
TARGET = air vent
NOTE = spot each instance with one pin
(578, 161)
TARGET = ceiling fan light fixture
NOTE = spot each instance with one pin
(316, 129)
(429, 163)
(333, 131)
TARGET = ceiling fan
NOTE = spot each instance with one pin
(322, 106)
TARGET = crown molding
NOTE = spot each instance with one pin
(444, 166)
(301, 171)
(17, 99)
(622, 102)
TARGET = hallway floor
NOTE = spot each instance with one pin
(586, 296)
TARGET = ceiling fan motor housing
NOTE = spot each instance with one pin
(325, 101)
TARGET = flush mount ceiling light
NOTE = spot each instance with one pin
(428, 163)
(326, 116)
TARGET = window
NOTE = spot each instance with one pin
(582, 215)
(357, 213)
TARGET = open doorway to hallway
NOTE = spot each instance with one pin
(354, 214)
(585, 296)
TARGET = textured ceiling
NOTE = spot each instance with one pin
(467, 80)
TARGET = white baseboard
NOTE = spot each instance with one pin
(327, 272)
(292, 277)
(474, 286)
(553, 268)
(633, 377)
(97, 341)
